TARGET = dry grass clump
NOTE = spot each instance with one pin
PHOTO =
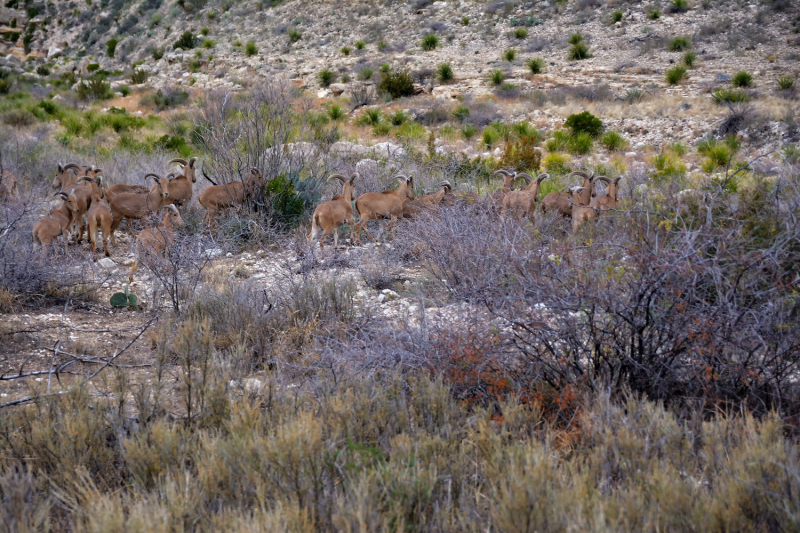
(393, 453)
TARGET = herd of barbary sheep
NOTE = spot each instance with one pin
(87, 204)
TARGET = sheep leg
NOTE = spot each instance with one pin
(335, 239)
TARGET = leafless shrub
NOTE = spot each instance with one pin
(362, 95)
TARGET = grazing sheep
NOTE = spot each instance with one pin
(138, 205)
(330, 215)
(56, 223)
(100, 218)
(523, 202)
(560, 200)
(427, 202)
(67, 175)
(383, 205)
(9, 188)
(158, 239)
(218, 197)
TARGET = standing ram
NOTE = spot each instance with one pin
(337, 211)
(383, 205)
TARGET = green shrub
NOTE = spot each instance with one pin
(679, 44)
(536, 65)
(675, 75)
(295, 35)
(444, 73)
(325, 77)
(370, 117)
(578, 52)
(42, 70)
(584, 122)
(616, 16)
(729, 96)
(92, 67)
(654, 14)
(791, 153)
(613, 141)
(366, 74)
(18, 117)
(250, 49)
(111, 47)
(510, 55)
(381, 129)
(346, 50)
(124, 90)
(496, 77)
(194, 65)
(385, 68)
(382, 45)
(398, 118)
(49, 107)
(634, 95)
(186, 41)
(679, 6)
(139, 76)
(204, 31)
(558, 141)
(396, 83)
(785, 83)
(689, 58)
(580, 144)
(95, 89)
(286, 205)
(468, 131)
(520, 33)
(527, 131)
(465, 21)
(157, 53)
(411, 131)
(360, 45)
(742, 79)
(335, 112)
(430, 42)
(575, 38)
(171, 98)
(461, 112)
(490, 136)
(208, 44)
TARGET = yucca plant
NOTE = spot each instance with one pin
(675, 75)
(444, 73)
(510, 55)
(785, 82)
(689, 58)
(430, 42)
(496, 77)
(742, 79)
(536, 65)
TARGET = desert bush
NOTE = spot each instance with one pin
(742, 79)
(157, 53)
(613, 141)
(679, 6)
(396, 83)
(558, 141)
(496, 77)
(139, 76)
(653, 14)
(689, 58)
(42, 70)
(536, 65)
(584, 122)
(360, 45)
(94, 89)
(335, 112)
(679, 44)
(366, 74)
(575, 38)
(633, 96)
(520, 33)
(398, 118)
(444, 73)
(187, 41)
(675, 75)
(490, 136)
(345, 50)
(522, 155)
(294, 35)
(617, 16)
(580, 143)
(469, 131)
(111, 47)
(728, 96)
(578, 52)
(18, 117)
(430, 42)
(785, 83)
(325, 77)
(370, 117)
(250, 49)
(509, 55)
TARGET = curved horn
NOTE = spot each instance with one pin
(400, 176)
(192, 162)
(603, 178)
(70, 166)
(541, 177)
(446, 184)
(336, 176)
(580, 173)
(524, 176)
(97, 170)
(177, 160)
(503, 172)
(617, 180)
(62, 194)
(353, 177)
(155, 176)
(172, 206)
(253, 170)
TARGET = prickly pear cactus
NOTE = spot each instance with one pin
(119, 299)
